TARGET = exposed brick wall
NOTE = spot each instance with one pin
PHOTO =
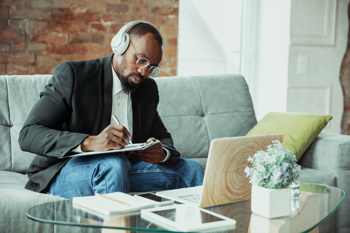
(37, 35)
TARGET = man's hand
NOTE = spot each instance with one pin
(153, 154)
(112, 137)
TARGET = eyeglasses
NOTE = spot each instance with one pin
(143, 62)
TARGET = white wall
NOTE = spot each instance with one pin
(210, 42)
(292, 50)
(319, 31)
(272, 50)
(209, 37)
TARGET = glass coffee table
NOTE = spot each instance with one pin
(316, 204)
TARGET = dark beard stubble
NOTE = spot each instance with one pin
(126, 86)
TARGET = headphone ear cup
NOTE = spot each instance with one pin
(120, 43)
(124, 43)
(121, 40)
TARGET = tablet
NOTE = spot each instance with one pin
(155, 199)
(186, 218)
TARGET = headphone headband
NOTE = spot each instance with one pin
(121, 40)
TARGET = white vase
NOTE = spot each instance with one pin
(271, 203)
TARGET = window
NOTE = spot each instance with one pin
(211, 36)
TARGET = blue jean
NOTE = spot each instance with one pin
(85, 176)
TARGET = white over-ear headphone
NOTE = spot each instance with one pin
(121, 40)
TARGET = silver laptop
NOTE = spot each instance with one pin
(224, 180)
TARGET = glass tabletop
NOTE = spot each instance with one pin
(316, 203)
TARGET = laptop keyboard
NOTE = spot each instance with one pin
(194, 197)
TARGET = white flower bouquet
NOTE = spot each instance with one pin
(275, 168)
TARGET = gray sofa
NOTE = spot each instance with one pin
(194, 109)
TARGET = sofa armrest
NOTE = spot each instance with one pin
(329, 151)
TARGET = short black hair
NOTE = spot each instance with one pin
(144, 28)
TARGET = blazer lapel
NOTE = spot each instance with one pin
(136, 133)
(107, 91)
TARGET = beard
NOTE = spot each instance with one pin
(127, 85)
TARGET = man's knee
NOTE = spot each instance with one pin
(189, 171)
(117, 165)
(111, 174)
(194, 171)
(191, 166)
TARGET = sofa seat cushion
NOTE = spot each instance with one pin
(12, 179)
(15, 201)
(12, 188)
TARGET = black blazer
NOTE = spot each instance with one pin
(76, 103)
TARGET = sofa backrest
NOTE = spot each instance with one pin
(197, 109)
(194, 109)
(18, 95)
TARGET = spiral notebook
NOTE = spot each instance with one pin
(111, 203)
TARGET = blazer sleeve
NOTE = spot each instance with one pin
(165, 138)
(147, 119)
(43, 132)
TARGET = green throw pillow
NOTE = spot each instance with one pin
(299, 129)
(314, 188)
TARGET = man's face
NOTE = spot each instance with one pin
(125, 65)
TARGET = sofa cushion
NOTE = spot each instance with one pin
(299, 129)
(15, 202)
(326, 177)
(197, 109)
(208, 107)
(17, 97)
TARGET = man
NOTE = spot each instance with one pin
(94, 106)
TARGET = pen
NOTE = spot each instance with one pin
(111, 199)
(118, 122)
(116, 119)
